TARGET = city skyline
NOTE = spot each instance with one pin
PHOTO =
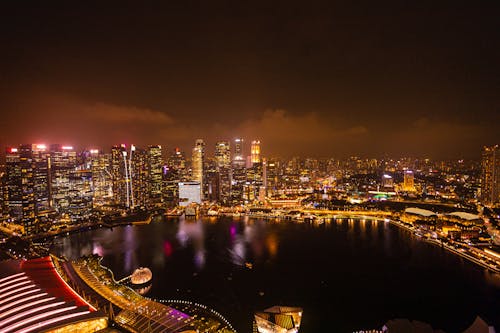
(326, 79)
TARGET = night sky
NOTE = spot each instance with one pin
(306, 78)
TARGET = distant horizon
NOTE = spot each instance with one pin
(210, 150)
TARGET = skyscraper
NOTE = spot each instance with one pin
(490, 176)
(223, 168)
(155, 174)
(255, 152)
(118, 164)
(409, 181)
(198, 159)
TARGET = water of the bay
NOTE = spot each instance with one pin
(346, 274)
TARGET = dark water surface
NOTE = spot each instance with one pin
(347, 274)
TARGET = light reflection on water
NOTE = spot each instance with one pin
(345, 266)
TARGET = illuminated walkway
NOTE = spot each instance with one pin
(139, 314)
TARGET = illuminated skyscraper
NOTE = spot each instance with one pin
(20, 191)
(409, 181)
(155, 174)
(238, 150)
(102, 183)
(198, 159)
(41, 155)
(222, 155)
(490, 176)
(255, 152)
(120, 186)
(223, 168)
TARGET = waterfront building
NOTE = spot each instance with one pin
(278, 319)
(415, 215)
(490, 176)
(198, 159)
(189, 192)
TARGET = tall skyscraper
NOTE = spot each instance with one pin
(409, 181)
(119, 175)
(490, 176)
(41, 174)
(198, 159)
(20, 192)
(102, 183)
(155, 174)
(238, 175)
(223, 168)
(222, 154)
(238, 150)
(255, 152)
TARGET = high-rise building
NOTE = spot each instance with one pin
(70, 183)
(409, 181)
(102, 184)
(41, 174)
(20, 193)
(490, 176)
(238, 151)
(155, 174)
(177, 162)
(198, 159)
(119, 174)
(255, 152)
(13, 195)
(223, 168)
(238, 172)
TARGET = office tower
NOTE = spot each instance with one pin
(155, 174)
(198, 158)
(102, 183)
(41, 172)
(238, 151)
(408, 181)
(137, 177)
(13, 192)
(255, 152)
(222, 155)
(62, 167)
(170, 187)
(490, 176)
(70, 184)
(19, 183)
(223, 168)
(177, 162)
(119, 175)
(272, 180)
(387, 181)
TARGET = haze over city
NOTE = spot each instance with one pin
(315, 79)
